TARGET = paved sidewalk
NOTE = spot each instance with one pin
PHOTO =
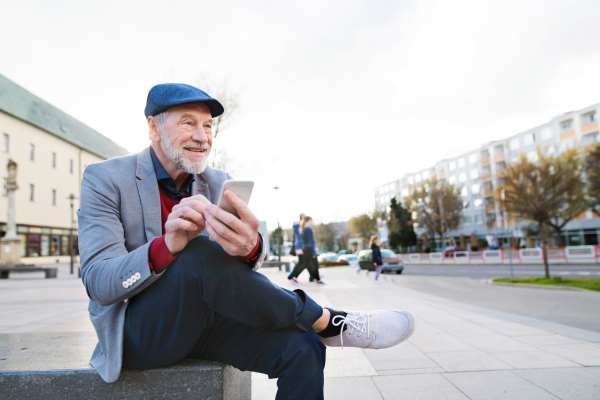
(457, 352)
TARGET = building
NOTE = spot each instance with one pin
(479, 172)
(51, 149)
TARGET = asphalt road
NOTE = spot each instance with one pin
(466, 284)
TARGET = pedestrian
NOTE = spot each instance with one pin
(310, 252)
(375, 247)
(297, 246)
(170, 275)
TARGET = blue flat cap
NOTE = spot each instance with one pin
(166, 95)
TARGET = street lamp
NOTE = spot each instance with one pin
(71, 197)
(276, 188)
(503, 198)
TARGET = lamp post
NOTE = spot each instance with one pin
(11, 243)
(71, 197)
(503, 197)
(276, 188)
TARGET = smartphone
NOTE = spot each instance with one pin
(243, 189)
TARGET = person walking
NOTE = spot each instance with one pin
(310, 252)
(297, 245)
(375, 247)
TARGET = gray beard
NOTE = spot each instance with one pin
(177, 156)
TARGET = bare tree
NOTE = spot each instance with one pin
(538, 191)
(592, 170)
(229, 97)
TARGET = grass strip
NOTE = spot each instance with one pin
(583, 283)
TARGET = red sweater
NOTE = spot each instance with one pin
(159, 255)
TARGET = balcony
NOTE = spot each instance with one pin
(499, 157)
(486, 177)
(485, 161)
(490, 209)
(567, 134)
(442, 175)
(589, 127)
(502, 173)
(488, 192)
(490, 224)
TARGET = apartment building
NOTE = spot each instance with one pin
(51, 150)
(478, 172)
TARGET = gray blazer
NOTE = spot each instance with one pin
(119, 216)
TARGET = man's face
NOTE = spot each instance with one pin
(187, 137)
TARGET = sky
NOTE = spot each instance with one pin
(335, 98)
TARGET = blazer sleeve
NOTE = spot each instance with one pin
(109, 272)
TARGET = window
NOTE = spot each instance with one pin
(410, 180)
(476, 188)
(547, 133)
(500, 166)
(462, 177)
(31, 192)
(589, 117)
(31, 152)
(461, 162)
(486, 170)
(532, 156)
(477, 219)
(528, 138)
(473, 158)
(466, 204)
(487, 185)
(485, 154)
(514, 144)
(71, 169)
(53, 160)
(452, 179)
(489, 201)
(6, 143)
(477, 203)
(452, 166)
(425, 175)
(590, 138)
(474, 174)
(53, 197)
(499, 149)
(566, 125)
(464, 192)
(418, 178)
(466, 221)
(405, 192)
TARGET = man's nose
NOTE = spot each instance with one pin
(200, 135)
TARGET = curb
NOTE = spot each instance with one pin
(543, 287)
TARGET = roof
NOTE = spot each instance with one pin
(24, 105)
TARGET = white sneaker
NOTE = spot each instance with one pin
(372, 329)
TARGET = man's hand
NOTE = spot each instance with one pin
(185, 222)
(237, 236)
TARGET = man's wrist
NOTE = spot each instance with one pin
(255, 251)
(159, 255)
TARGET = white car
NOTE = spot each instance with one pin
(327, 257)
(351, 258)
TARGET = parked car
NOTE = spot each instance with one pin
(351, 258)
(450, 250)
(327, 257)
(391, 261)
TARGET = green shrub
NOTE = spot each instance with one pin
(333, 263)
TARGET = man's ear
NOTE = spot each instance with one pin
(153, 132)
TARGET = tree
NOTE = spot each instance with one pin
(364, 225)
(538, 191)
(325, 236)
(401, 233)
(229, 98)
(277, 232)
(438, 207)
(576, 201)
(592, 170)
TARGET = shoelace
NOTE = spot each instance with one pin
(356, 321)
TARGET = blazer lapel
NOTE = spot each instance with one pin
(149, 196)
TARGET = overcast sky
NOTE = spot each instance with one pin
(336, 97)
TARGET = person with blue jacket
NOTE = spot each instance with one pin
(297, 245)
(377, 261)
(309, 250)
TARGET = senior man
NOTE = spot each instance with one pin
(170, 275)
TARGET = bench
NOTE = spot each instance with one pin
(51, 272)
(279, 264)
(55, 366)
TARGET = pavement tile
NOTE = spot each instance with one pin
(362, 388)
(534, 359)
(514, 329)
(417, 387)
(496, 343)
(547, 340)
(497, 385)
(593, 370)
(264, 389)
(410, 371)
(438, 343)
(473, 360)
(403, 356)
(566, 383)
(348, 361)
(465, 328)
(585, 354)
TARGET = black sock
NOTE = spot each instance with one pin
(332, 330)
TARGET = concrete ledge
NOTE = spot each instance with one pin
(55, 366)
(51, 272)
(530, 286)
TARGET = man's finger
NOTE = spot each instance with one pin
(180, 224)
(189, 214)
(225, 217)
(214, 235)
(223, 230)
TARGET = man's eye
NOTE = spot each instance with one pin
(188, 123)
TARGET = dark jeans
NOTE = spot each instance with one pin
(310, 262)
(300, 266)
(211, 305)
